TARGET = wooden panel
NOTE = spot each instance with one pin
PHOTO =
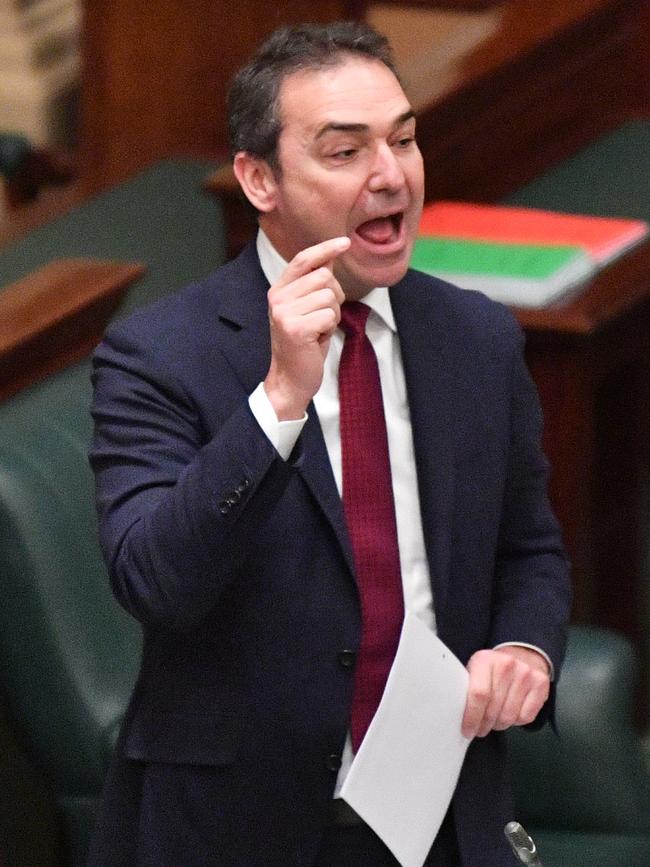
(56, 315)
(593, 388)
(359, 8)
(156, 76)
(555, 76)
(589, 359)
(51, 203)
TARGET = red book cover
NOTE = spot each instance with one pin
(604, 238)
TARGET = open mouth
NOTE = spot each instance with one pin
(382, 230)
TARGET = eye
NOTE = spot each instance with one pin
(344, 154)
(405, 142)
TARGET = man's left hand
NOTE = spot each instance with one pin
(507, 687)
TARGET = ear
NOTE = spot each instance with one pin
(257, 180)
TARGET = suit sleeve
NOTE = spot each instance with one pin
(532, 597)
(179, 506)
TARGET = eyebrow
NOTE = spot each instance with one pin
(334, 126)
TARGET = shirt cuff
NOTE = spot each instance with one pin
(283, 435)
(551, 669)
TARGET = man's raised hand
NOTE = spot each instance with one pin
(304, 310)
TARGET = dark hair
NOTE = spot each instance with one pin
(253, 112)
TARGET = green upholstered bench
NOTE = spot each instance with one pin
(68, 654)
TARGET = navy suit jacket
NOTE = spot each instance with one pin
(238, 566)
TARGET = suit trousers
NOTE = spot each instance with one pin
(359, 846)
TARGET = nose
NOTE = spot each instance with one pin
(386, 174)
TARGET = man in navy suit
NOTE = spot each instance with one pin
(220, 465)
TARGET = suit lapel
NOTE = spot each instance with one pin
(427, 356)
(315, 468)
(246, 343)
(243, 318)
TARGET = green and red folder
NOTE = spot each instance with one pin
(519, 256)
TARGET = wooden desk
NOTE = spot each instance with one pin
(56, 316)
(52, 314)
(591, 362)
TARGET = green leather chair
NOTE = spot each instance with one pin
(68, 654)
(584, 794)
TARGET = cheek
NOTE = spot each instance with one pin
(414, 173)
(319, 202)
(342, 199)
(324, 205)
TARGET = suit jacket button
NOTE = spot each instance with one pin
(347, 658)
(333, 762)
(224, 507)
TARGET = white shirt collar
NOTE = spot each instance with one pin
(273, 265)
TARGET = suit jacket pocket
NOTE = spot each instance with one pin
(181, 738)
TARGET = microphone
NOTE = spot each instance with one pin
(522, 844)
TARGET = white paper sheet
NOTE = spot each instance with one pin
(405, 772)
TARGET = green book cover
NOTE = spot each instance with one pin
(459, 256)
(523, 275)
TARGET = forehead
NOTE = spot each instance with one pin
(356, 90)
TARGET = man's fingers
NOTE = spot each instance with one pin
(529, 690)
(512, 680)
(310, 258)
(534, 701)
(502, 692)
(320, 278)
(478, 693)
(304, 310)
(305, 318)
(318, 299)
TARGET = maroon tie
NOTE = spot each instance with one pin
(370, 516)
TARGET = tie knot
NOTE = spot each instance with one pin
(354, 316)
